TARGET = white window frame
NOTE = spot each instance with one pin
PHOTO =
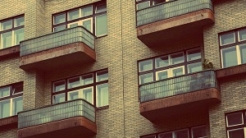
(238, 55)
(239, 34)
(75, 91)
(92, 94)
(97, 97)
(244, 129)
(237, 124)
(227, 43)
(96, 25)
(11, 101)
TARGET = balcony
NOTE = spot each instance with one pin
(73, 46)
(64, 120)
(186, 94)
(173, 20)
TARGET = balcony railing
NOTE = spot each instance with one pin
(75, 108)
(171, 9)
(178, 85)
(57, 39)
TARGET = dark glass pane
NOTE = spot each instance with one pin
(236, 133)
(182, 134)
(166, 135)
(198, 132)
(234, 119)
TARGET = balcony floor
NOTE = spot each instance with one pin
(68, 55)
(68, 128)
(174, 28)
(179, 105)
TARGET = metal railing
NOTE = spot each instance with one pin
(56, 112)
(178, 85)
(57, 39)
(170, 9)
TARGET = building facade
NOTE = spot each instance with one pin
(122, 68)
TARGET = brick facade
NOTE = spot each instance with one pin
(119, 51)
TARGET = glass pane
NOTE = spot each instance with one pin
(165, 135)
(102, 95)
(236, 133)
(182, 134)
(74, 24)
(59, 28)
(101, 25)
(177, 58)
(74, 82)
(59, 86)
(194, 67)
(161, 62)
(101, 7)
(73, 95)
(5, 108)
(242, 35)
(178, 71)
(87, 95)
(102, 75)
(193, 55)
(234, 119)
(143, 5)
(19, 35)
(73, 14)
(229, 56)
(243, 53)
(86, 11)
(146, 78)
(4, 92)
(227, 38)
(59, 18)
(6, 39)
(19, 21)
(17, 89)
(87, 79)
(58, 98)
(6, 25)
(17, 105)
(145, 65)
(199, 132)
(162, 75)
(88, 25)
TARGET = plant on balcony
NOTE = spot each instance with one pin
(207, 64)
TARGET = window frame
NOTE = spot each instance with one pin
(169, 67)
(237, 44)
(12, 30)
(81, 18)
(12, 97)
(173, 132)
(81, 87)
(237, 126)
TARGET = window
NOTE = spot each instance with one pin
(233, 48)
(196, 132)
(11, 32)
(167, 66)
(11, 100)
(141, 4)
(92, 17)
(93, 87)
(235, 124)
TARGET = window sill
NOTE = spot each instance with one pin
(9, 52)
(224, 73)
(9, 122)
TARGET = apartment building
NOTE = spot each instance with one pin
(122, 68)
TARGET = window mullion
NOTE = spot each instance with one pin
(239, 60)
(11, 107)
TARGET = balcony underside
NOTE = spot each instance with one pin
(228, 73)
(187, 25)
(184, 104)
(8, 123)
(68, 55)
(68, 128)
